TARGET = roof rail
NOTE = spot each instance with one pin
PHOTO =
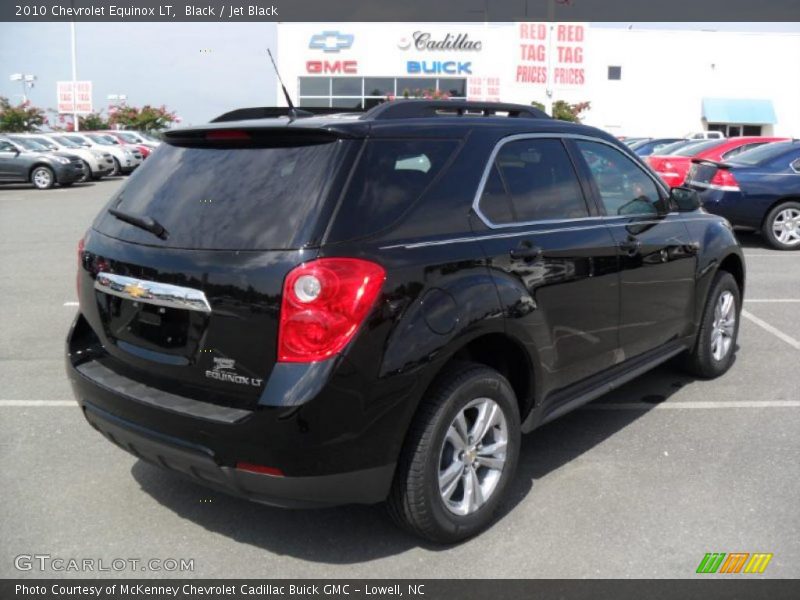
(412, 109)
(270, 112)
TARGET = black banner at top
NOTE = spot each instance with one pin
(396, 10)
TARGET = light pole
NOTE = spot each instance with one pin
(76, 125)
(114, 102)
(27, 82)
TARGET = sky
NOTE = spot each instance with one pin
(200, 70)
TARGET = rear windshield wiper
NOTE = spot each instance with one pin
(146, 223)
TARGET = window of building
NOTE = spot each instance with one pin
(366, 92)
(532, 180)
(614, 73)
(735, 129)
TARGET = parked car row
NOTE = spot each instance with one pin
(63, 158)
(754, 182)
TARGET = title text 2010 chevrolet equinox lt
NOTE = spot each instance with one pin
(312, 310)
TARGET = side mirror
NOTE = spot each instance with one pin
(686, 199)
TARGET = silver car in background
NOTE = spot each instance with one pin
(125, 161)
(96, 164)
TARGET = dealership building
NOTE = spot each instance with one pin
(638, 81)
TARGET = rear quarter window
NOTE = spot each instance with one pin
(390, 177)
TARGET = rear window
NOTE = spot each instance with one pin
(697, 148)
(764, 153)
(390, 177)
(228, 199)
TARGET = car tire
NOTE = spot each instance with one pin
(87, 173)
(431, 457)
(715, 347)
(783, 221)
(43, 178)
(117, 170)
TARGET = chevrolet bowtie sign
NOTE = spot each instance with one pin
(331, 41)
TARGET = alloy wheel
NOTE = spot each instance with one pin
(786, 227)
(473, 456)
(724, 325)
(42, 178)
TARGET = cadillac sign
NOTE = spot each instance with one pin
(422, 40)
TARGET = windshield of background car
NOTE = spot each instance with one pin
(78, 139)
(670, 148)
(49, 144)
(102, 140)
(129, 137)
(228, 199)
(66, 142)
(695, 149)
(763, 154)
(28, 144)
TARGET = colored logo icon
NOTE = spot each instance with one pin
(735, 562)
(331, 41)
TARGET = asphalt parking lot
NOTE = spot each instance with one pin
(641, 483)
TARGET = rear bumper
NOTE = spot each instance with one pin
(329, 449)
(199, 464)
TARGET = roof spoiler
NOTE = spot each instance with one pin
(713, 163)
(272, 112)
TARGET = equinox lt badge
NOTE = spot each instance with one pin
(225, 370)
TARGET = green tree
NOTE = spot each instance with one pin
(564, 111)
(146, 118)
(20, 118)
(94, 121)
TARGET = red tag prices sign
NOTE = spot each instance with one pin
(78, 100)
(550, 54)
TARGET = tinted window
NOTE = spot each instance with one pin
(242, 199)
(764, 153)
(625, 189)
(744, 148)
(390, 177)
(697, 148)
(495, 202)
(540, 181)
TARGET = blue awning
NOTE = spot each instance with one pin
(739, 111)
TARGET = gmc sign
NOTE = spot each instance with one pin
(318, 67)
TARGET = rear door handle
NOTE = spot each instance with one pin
(526, 251)
(631, 246)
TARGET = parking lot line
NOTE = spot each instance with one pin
(70, 304)
(773, 330)
(694, 405)
(7, 403)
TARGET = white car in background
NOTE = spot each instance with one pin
(705, 135)
(96, 164)
(125, 161)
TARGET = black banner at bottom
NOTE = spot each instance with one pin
(382, 589)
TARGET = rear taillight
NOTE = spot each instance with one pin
(724, 180)
(81, 245)
(324, 303)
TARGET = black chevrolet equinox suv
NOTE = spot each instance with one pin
(309, 310)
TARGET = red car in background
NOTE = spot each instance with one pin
(120, 138)
(673, 168)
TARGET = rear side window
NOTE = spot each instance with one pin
(763, 154)
(391, 175)
(744, 148)
(532, 180)
(228, 199)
